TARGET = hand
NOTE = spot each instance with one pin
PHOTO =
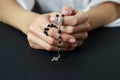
(75, 23)
(38, 40)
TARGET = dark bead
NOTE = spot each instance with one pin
(62, 15)
(59, 31)
(59, 42)
(49, 25)
(59, 46)
(45, 32)
(57, 15)
(52, 25)
(46, 29)
(59, 37)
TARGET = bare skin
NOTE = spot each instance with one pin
(74, 32)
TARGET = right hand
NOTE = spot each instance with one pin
(38, 40)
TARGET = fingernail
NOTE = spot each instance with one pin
(65, 12)
(72, 40)
(52, 19)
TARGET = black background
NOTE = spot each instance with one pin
(97, 59)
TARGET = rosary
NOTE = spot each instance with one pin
(59, 22)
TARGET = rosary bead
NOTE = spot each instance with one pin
(45, 32)
(59, 31)
(62, 15)
(59, 46)
(52, 25)
(46, 29)
(59, 42)
(59, 37)
(57, 15)
(49, 25)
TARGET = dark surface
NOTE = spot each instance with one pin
(97, 59)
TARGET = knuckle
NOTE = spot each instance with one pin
(71, 30)
(51, 41)
(31, 45)
(85, 35)
(86, 16)
(83, 17)
(88, 26)
(30, 28)
(51, 32)
(29, 36)
(64, 38)
(34, 46)
(49, 48)
(74, 21)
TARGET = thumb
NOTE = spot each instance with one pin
(67, 10)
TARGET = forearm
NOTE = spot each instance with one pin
(103, 14)
(11, 13)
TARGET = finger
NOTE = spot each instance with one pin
(76, 29)
(82, 27)
(36, 30)
(70, 39)
(40, 42)
(52, 38)
(67, 10)
(76, 19)
(43, 44)
(66, 41)
(81, 36)
(41, 23)
(46, 19)
(53, 17)
(63, 46)
(34, 45)
(65, 37)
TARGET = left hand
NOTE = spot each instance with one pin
(75, 23)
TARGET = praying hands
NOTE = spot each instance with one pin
(74, 30)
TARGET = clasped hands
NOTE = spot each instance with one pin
(75, 29)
